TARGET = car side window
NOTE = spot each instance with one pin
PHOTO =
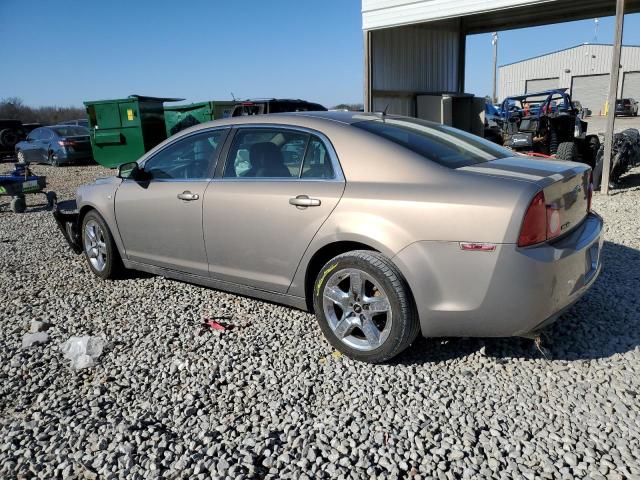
(266, 153)
(35, 135)
(188, 159)
(46, 134)
(317, 162)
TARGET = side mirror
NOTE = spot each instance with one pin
(130, 170)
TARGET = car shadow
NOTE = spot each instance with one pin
(605, 322)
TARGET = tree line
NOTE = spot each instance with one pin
(13, 108)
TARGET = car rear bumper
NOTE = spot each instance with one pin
(73, 157)
(506, 292)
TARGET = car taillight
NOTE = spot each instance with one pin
(541, 222)
(66, 143)
(534, 226)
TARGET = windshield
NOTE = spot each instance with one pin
(71, 131)
(445, 145)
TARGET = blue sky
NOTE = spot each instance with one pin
(204, 50)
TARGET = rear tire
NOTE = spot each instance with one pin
(567, 151)
(364, 306)
(99, 248)
(8, 138)
(18, 204)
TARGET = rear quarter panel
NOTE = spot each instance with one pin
(426, 203)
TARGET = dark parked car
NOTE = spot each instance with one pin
(627, 106)
(82, 122)
(274, 105)
(11, 132)
(56, 145)
(492, 124)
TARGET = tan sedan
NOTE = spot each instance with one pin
(385, 227)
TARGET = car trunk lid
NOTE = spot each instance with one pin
(79, 143)
(565, 184)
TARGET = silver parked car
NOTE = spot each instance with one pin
(384, 226)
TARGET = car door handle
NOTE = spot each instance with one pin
(304, 201)
(188, 196)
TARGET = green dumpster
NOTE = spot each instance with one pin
(124, 129)
(179, 117)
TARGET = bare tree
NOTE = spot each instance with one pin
(15, 109)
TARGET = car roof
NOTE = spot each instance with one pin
(261, 100)
(303, 119)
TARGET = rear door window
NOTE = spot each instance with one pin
(317, 162)
(266, 153)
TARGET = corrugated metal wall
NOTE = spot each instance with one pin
(414, 59)
(566, 64)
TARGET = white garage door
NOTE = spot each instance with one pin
(541, 84)
(631, 85)
(591, 91)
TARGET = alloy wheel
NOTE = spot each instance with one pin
(357, 309)
(95, 246)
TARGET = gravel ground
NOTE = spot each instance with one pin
(269, 398)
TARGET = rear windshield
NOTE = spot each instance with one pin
(70, 131)
(249, 109)
(445, 145)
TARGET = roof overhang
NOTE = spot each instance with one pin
(480, 16)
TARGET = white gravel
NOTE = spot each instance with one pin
(270, 400)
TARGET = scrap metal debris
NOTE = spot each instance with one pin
(220, 324)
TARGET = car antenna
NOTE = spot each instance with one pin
(384, 112)
(233, 97)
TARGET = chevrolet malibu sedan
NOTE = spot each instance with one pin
(386, 227)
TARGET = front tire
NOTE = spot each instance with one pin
(364, 306)
(21, 157)
(99, 247)
(53, 160)
(18, 204)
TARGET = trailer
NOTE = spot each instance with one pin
(22, 182)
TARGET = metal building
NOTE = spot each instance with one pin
(414, 47)
(583, 68)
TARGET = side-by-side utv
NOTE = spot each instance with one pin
(548, 123)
